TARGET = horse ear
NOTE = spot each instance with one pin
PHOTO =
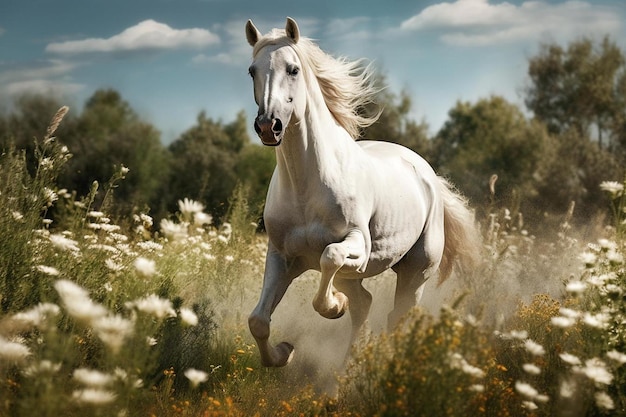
(292, 30)
(252, 33)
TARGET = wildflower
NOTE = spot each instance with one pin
(172, 230)
(229, 258)
(526, 389)
(188, 206)
(77, 302)
(92, 378)
(48, 270)
(13, 351)
(112, 265)
(563, 322)
(201, 218)
(569, 313)
(588, 258)
(614, 257)
(603, 400)
(223, 239)
(575, 287)
(113, 330)
(93, 396)
(458, 362)
(144, 266)
(595, 369)
(152, 304)
(17, 216)
(477, 388)
(518, 334)
(151, 341)
(529, 405)
(95, 214)
(64, 243)
(123, 171)
(43, 367)
(38, 315)
(599, 320)
(531, 369)
(150, 246)
(188, 317)
(616, 356)
(612, 187)
(196, 377)
(569, 358)
(534, 348)
(50, 196)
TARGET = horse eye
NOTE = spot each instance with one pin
(293, 70)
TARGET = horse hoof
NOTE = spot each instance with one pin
(339, 309)
(285, 354)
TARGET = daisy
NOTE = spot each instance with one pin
(152, 304)
(92, 378)
(144, 266)
(196, 377)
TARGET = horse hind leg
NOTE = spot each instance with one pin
(360, 302)
(418, 265)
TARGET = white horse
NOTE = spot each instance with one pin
(348, 209)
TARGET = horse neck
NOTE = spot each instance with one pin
(313, 148)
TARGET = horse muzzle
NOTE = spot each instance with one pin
(269, 130)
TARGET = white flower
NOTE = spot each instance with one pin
(229, 258)
(201, 218)
(588, 258)
(616, 356)
(576, 287)
(152, 304)
(77, 302)
(599, 320)
(529, 405)
(518, 334)
(526, 389)
(112, 265)
(603, 400)
(95, 214)
(48, 270)
(43, 367)
(144, 266)
(477, 388)
(569, 313)
(150, 246)
(17, 215)
(612, 187)
(569, 358)
(563, 322)
(173, 231)
(113, 330)
(188, 316)
(531, 369)
(93, 396)
(50, 196)
(38, 315)
(188, 206)
(458, 362)
(13, 351)
(92, 378)
(534, 348)
(64, 243)
(196, 377)
(595, 369)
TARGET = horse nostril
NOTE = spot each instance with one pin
(257, 128)
(277, 126)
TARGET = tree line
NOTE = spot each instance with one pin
(574, 138)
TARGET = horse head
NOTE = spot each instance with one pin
(279, 86)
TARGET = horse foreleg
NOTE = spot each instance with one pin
(277, 278)
(360, 302)
(350, 253)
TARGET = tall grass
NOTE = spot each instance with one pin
(122, 317)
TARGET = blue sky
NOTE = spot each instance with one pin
(171, 59)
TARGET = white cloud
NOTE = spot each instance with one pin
(50, 76)
(146, 35)
(479, 22)
(53, 87)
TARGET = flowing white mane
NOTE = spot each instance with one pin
(346, 85)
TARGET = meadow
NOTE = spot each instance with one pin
(137, 316)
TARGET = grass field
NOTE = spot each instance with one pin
(105, 316)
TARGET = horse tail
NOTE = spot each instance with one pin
(462, 239)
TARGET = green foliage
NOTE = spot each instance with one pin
(489, 137)
(580, 87)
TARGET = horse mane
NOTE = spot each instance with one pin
(347, 86)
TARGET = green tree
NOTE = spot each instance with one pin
(107, 135)
(203, 162)
(254, 169)
(489, 137)
(581, 87)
